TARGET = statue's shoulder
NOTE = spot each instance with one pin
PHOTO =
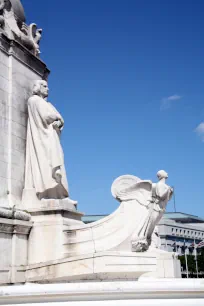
(34, 99)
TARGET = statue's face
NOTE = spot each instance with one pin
(44, 89)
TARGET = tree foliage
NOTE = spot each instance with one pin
(192, 263)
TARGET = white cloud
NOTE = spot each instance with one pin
(167, 102)
(200, 131)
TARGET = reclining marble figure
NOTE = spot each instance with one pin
(44, 171)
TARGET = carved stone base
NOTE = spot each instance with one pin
(106, 266)
(31, 202)
(52, 219)
(12, 213)
(14, 250)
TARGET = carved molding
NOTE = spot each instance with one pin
(9, 226)
(6, 213)
(21, 215)
(6, 228)
(14, 214)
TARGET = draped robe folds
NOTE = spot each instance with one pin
(151, 200)
(161, 194)
(44, 154)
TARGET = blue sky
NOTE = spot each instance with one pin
(128, 78)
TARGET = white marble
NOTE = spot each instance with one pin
(142, 205)
(102, 249)
(46, 240)
(105, 266)
(133, 293)
(45, 175)
(19, 69)
(12, 22)
(45, 171)
(14, 247)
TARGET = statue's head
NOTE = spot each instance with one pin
(40, 88)
(162, 174)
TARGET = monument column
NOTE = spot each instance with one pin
(18, 69)
(19, 66)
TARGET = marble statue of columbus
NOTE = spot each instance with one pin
(45, 171)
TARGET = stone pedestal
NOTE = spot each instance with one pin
(18, 68)
(102, 266)
(47, 238)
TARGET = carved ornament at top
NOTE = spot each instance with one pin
(12, 23)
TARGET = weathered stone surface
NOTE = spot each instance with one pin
(51, 218)
(13, 240)
(4, 123)
(189, 292)
(19, 117)
(4, 108)
(4, 70)
(3, 154)
(19, 130)
(18, 144)
(3, 169)
(106, 266)
(14, 214)
(6, 213)
(17, 73)
(21, 215)
(4, 83)
(12, 23)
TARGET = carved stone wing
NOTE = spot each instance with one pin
(121, 183)
(129, 187)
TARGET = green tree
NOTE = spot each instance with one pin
(201, 261)
(192, 264)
